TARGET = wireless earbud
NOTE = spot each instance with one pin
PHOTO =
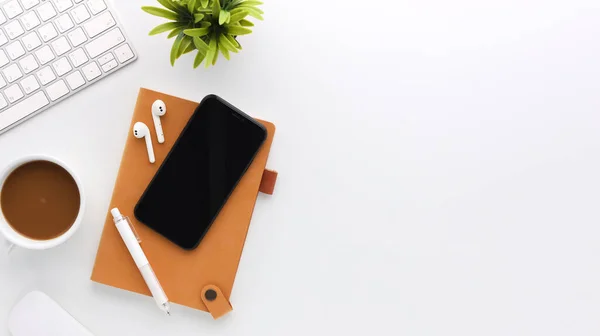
(140, 130)
(159, 108)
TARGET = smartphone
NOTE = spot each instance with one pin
(203, 168)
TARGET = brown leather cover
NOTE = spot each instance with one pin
(216, 302)
(267, 184)
(183, 274)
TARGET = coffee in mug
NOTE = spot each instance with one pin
(40, 200)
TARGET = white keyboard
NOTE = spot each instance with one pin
(52, 49)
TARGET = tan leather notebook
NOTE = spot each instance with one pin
(183, 274)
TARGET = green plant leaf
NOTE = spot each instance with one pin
(216, 10)
(212, 50)
(161, 12)
(236, 2)
(181, 8)
(200, 44)
(205, 24)
(216, 57)
(199, 58)
(238, 16)
(189, 49)
(165, 27)
(254, 12)
(168, 5)
(246, 23)
(204, 3)
(191, 5)
(198, 17)
(234, 41)
(258, 10)
(224, 41)
(251, 3)
(175, 32)
(237, 30)
(175, 49)
(224, 17)
(224, 51)
(196, 32)
(237, 11)
(185, 43)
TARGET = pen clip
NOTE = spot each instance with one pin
(137, 236)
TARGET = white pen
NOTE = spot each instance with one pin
(140, 259)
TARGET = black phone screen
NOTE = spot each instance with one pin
(204, 166)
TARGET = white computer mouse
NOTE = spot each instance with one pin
(38, 315)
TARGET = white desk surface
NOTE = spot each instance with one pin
(439, 172)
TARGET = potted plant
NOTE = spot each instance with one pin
(211, 27)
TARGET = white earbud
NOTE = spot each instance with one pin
(159, 108)
(140, 130)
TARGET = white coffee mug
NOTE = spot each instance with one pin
(15, 238)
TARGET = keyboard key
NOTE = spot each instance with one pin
(3, 58)
(28, 4)
(62, 66)
(28, 64)
(12, 9)
(48, 32)
(96, 6)
(77, 37)
(46, 11)
(30, 20)
(31, 41)
(3, 102)
(78, 57)
(91, 71)
(13, 93)
(2, 18)
(46, 75)
(57, 90)
(3, 38)
(29, 84)
(105, 42)
(62, 5)
(15, 50)
(124, 53)
(80, 14)
(44, 55)
(99, 24)
(2, 82)
(64, 23)
(14, 29)
(61, 46)
(75, 80)
(106, 58)
(23, 109)
(110, 65)
(12, 73)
